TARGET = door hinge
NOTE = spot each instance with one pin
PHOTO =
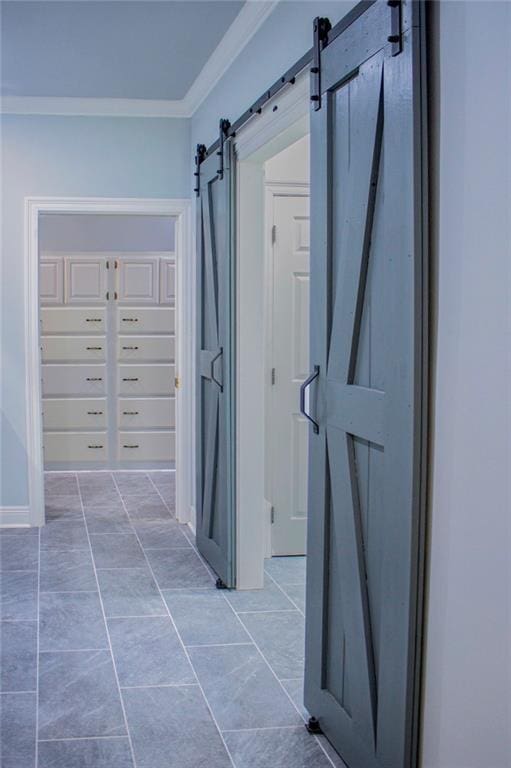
(115, 264)
(107, 295)
(395, 36)
(272, 515)
(177, 382)
(107, 264)
(321, 28)
(273, 377)
(274, 234)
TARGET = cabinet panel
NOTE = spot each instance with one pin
(138, 280)
(51, 281)
(146, 348)
(74, 413)
(147, 412)
(167, 281)
(146, 320)
(60, 320)
(75, 446)
(145, 379)
(85, 279)
(73, 348)
(147, 446)
(73, 379)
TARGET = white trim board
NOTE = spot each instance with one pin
(14, 517)
(180, 208)
(250, 18)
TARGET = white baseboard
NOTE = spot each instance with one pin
(11, 517)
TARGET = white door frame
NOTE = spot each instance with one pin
(284, 120)
(180, 208)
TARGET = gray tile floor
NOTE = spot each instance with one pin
(118, 651)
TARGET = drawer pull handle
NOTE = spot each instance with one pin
(130, 413)
(90, 349)
(130, 378)
(129, 319)
(93, 319)
(94, 378)
(94, 446)
(130, 347)
(130, 446)
(94, 413)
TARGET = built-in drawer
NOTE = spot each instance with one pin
(137, 412)
(145, 379)
(75, 446)
(146, 348)
(67, 348)
(146, 320)
(147, 446)
(73, 379)
(72, 320)
(74, 413)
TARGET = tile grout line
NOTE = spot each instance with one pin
(128, 732)
(277, 679)
(285, 593)
(36, 756)
(186, 652)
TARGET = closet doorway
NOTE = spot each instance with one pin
(110, 337)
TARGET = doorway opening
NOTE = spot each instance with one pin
(105, 324)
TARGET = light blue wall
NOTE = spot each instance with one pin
(283, 38)
(68, 156)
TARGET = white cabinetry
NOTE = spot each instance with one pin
(108, 352)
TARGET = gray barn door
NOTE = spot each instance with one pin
(368, 339)
(215, 344)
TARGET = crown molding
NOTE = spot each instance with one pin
(252, 15)
(68, 105)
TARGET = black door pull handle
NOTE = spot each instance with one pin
(303, 389)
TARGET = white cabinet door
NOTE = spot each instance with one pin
(167, 281)
(51, 280)
(288, 430)
(85, 279)
(138, 280)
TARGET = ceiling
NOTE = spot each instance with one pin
(125, 49)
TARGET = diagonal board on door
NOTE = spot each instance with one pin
(366, 462)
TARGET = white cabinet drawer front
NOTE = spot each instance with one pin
(75, 446)
(146, 320)
(63, 348)
(73, 413)
(147, 446)
(73, 379)
(72, 320)
(146, 348)
(146, 379)
(146, 413)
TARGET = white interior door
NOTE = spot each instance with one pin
(288, 432)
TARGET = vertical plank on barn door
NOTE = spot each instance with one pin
(366, 462)
(215, 346)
